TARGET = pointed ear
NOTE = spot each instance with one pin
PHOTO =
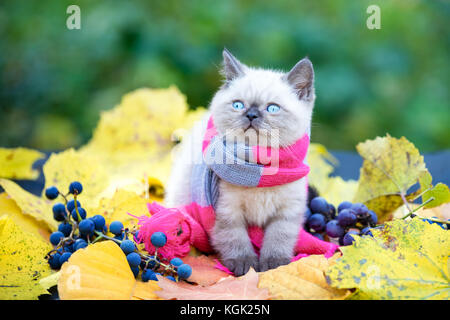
(232, 67)
(301, 78)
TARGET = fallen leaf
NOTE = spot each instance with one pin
(204, 271)
(98, 272)
(22, 262)
(17, 163)
(145, 290)
(391, 166)
(230, 288)
(404, 260)
(440, 192)
(303, 279)
(31, 205)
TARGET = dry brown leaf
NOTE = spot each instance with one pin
(303, 279)
(204, 271)
(230, 288)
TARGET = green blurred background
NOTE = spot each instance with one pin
(54, 81)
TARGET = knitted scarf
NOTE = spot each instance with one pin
(237, 164)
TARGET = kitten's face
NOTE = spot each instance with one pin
(259, 106)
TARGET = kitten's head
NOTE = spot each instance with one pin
(268, 104)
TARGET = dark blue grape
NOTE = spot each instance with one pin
(75, 187)
(176, 262)
(331, 211)
(366, 232)
(59, 212)
(99, 222)
(346, 218)
(81, 212)
(318, 236)
(158, 239)
(373, 218)
(116, 227)
(349, 237)
(148, 275)
(152, 262)
(127, 246)
(120, 237)
(135, 271)
(334, 230)
(344, 205)
(317, 222)
(171, 278)
(71, 205)
(86, 227)
(56, 237)
(133, 259)
(319, 205)
(79, 244)
(360, 208)
(308, 213)
(64, 257)
(65, 228)
(51, 193)
(184, 271)
(53, 261)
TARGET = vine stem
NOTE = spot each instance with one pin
(421, 206)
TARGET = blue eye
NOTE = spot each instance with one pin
(238, 105)
(273, 108)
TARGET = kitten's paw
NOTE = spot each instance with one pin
(241, 265)
(272, 262)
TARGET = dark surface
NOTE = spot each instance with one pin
(348, 168)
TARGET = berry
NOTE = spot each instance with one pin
(308, 213)
(86, 227)
(99, 222)
(133, 259)
(334, 230)
(135, 271)
(51, 193)
(184, 271)
(71, 205)
(56, 237)
(346, 218)
(171, 278)
(359, 208)
(318, 236)
(65, 228)
(148, 275)
(317, 222)
(127, 246)
(176, 262)
(75, 188)
(64, 257)
(344, 205)
(59, 212)
(116, 227)
(81, 211)
(158, 239)
(53, 261)
(79, 244)
(348, 238)
(373, 218)
(153, 261)
(331, 211)
(366, 232)
(319, 205)
(120, 237)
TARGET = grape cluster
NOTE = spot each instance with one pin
(76, 232)
(348, 220)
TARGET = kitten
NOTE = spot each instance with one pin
(279, 210)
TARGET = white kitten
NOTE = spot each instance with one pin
(280, 209)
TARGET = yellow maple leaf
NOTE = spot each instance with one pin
(334, 189)
(27, 223)
(404, 260)
(31, 205)
(118, 207)
(16, 163)
(303, 279)
(391, 166)
(22, 262)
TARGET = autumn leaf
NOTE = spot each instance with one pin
(334, 189)
(98, 272)
(440, 192)
(230, 288)
(17, 163)
(303, 279)
(22, 262)
(27, 223)
(404, 260)
(204, 271)
(391, 166)
(31, 205)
